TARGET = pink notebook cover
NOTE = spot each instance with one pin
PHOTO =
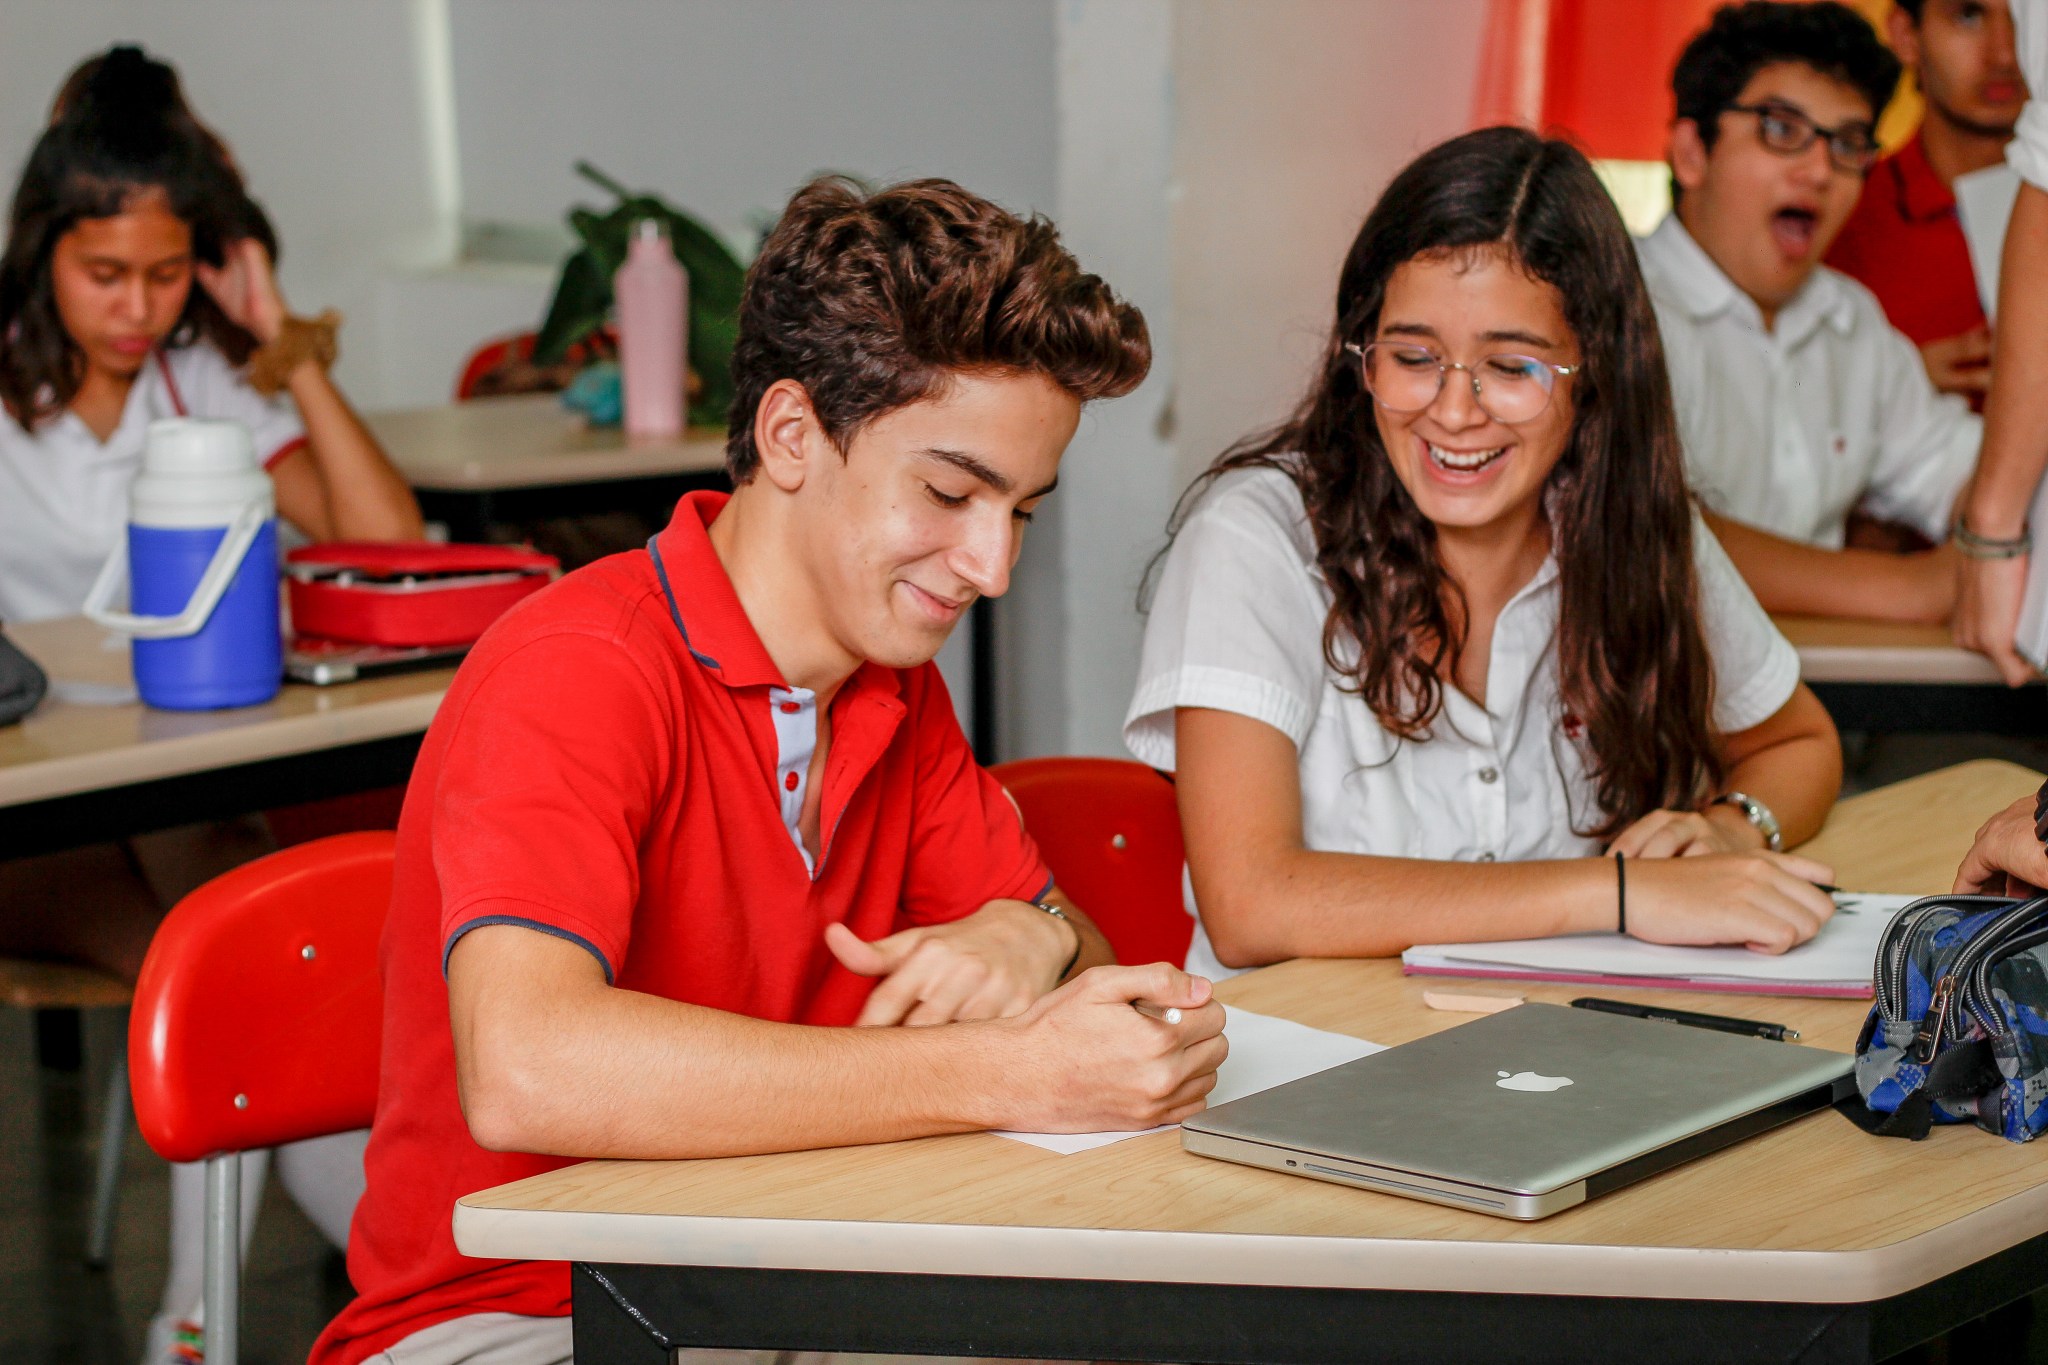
(1669, 983)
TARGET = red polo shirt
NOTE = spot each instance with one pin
(1905, 242)
(619, 764)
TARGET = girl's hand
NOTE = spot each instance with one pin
(1687, 834)
(1767, 902)
(246, 289)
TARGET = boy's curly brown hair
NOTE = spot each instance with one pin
(872, 300)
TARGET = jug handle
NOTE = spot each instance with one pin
(220, 571)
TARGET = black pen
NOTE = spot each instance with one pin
(1720, 1023)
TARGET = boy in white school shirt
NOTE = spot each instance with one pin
(1797, 400)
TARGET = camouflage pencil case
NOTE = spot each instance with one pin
(1959, 1029)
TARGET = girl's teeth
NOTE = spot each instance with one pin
(1477, 459)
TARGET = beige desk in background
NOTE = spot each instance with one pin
(1877, 677)
(491, 445)
(1813, 1242)
(75, 773)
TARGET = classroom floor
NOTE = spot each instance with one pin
(53, 1310)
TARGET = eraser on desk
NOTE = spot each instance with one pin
(1467, 1002)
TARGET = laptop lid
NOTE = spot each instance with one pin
(1535, 1103)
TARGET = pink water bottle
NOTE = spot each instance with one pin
(653, 297)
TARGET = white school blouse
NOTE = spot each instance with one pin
(1791, 429)
(1237, 625)
(64, 492)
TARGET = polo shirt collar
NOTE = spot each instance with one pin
(701, 598)
(715, 628)
(1922, 197)
(1700, 286)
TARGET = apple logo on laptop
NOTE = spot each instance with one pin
(1531, 1080)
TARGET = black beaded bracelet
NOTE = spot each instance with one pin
(1620, 896)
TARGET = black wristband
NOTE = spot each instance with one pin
(1067, 920)
(1620, 896)
(2041, 816)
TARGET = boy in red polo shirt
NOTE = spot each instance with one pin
(692, 810)
(1904, 240)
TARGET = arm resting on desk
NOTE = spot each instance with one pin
(552, 1059)
(1870, 585)
(1265, 896)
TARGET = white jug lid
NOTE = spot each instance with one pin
(184, 446)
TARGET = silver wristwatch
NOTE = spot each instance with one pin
(1758, 814)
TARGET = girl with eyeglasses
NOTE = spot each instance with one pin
(1447, 656)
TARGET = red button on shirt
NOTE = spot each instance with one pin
(643, 825)
(789, 782)
(790, 708)
(1905, 242)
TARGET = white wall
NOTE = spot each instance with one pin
(1216, 158)
(725, 108)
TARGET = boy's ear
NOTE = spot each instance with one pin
(1688, 154)
(784, 427)
(1904, 35)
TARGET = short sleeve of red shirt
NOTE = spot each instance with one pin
(969, 846)
(550, 775)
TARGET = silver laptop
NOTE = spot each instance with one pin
(1525, 1112)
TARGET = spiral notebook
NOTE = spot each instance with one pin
(1836, 962)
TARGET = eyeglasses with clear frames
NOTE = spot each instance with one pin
(1788, 131)
(1511, 389)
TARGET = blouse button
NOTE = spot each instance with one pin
(1486, 857)
(790, 708)
(1489, 775)
(789, 782)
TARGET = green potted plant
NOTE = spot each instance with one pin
(583, 295)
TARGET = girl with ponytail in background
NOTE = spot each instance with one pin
(137, 283)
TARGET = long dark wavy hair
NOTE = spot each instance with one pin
(1632, 663)
(121, 128)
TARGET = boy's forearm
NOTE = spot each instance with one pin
(569, 1066)
(1792, 578)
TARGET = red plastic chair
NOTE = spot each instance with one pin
(1111, 832)
(256, 1023)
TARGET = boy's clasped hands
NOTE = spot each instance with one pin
(1075, 1059)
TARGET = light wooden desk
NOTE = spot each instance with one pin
(75, 773)
(1877, 676)
(1813, 1242)
(491, 445)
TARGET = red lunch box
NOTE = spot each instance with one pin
(412, 592)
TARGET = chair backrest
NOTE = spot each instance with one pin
(1111, 832)
(258, 1014)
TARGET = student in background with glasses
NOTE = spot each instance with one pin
(1798, 402)
(1446, 656)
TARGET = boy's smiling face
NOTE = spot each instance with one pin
(1768, 217)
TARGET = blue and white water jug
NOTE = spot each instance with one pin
(200, 558)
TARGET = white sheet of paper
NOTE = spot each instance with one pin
(1984, 204)
(1264, 1052)
(1841, 952)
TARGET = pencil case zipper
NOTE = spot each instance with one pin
(1964, 980)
